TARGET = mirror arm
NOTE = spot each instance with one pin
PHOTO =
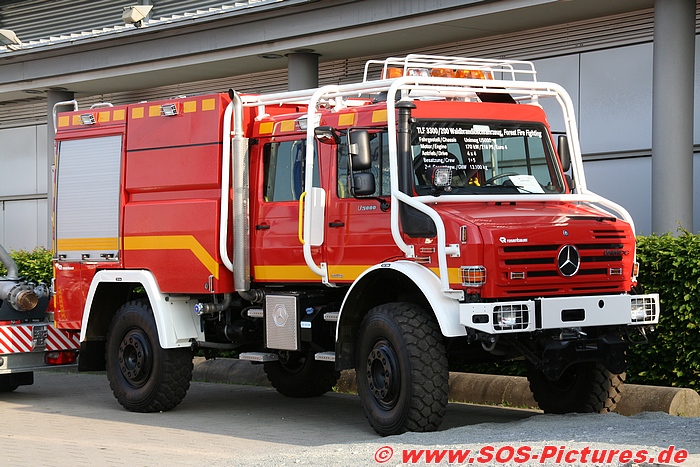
(384, 205)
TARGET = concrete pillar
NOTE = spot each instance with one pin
(302, 71)
(52, 97)
(672, 115)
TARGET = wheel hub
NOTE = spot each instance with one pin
(383, 374)
(135, 358)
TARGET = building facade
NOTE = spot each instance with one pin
(602, 52)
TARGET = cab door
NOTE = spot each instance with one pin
(358, 230)
(278, 181)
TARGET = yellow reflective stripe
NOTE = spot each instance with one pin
(208, 104)
(379, 116)
(344, 273)
(174, 242)
(346, 119)
(354, 271)
(190, 106)
(279, 273)
(287, 125)
(266, 128)
(453, 275)
(87, 244)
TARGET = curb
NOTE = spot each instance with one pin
(512, 391)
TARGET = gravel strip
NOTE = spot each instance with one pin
(653, 432)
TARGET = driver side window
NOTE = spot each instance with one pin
(284, 166)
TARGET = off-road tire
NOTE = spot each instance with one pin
(401, 369)
(583, 388)
(143, 376)
(302, 376)
(5, 385)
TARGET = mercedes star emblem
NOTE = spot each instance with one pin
(568, 260)
(280, 315)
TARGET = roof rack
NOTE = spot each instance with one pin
(454, 67)
(435, 77)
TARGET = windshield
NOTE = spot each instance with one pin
(467, 157)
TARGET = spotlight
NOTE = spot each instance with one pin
(10, 39)
(135, 14)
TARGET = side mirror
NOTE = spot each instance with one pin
(360, 153)
(363, 184)
(563, 151)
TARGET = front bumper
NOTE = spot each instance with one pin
(560, 313)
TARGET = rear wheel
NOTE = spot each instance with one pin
(583, 387)
(6, 385)
(300, 375)
(143, 376)
(402, 375)
(10, 382)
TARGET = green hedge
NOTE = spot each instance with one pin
(34, 266)
(670, 266)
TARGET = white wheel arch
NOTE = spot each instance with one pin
(174, 314)
(446, 310)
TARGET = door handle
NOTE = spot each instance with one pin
(262, 227)
(336, 224)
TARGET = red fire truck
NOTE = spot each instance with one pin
(419, 220)
(29, 340)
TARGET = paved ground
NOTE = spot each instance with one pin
(71, 419)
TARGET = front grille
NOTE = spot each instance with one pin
(525, 266)
(554, 248)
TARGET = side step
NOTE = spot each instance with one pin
(330, 316)
(325, 356)
(255, 313)
(258, 357)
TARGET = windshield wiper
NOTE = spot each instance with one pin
(522, 189)
(593, 218)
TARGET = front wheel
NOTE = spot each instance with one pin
(143, 376)
(583, 388)
(401, 369)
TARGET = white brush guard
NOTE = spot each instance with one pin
(560, 313)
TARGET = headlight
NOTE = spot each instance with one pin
(643, 310)
(473, 276)
(510, 317)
